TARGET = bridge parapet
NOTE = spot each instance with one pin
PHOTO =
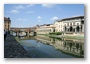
(22, 30)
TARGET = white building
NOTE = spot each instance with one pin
(73, 25)
(58, 26)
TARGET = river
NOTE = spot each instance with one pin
(45, 47)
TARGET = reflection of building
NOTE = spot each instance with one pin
(66, 46)
(45, 29)
(44, 39)
(7, 23)
(59, 44)
(70, 47)
(74, 25)
(58, 26)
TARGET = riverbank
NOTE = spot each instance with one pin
(63, 36)
(12, 49)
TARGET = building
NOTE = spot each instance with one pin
(75, 48)
(45, 29)
(58, 26)
(72, 47)
(7, 23)
(73, 25)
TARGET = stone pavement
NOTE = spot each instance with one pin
(13, 49)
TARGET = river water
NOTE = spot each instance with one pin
(46, 47)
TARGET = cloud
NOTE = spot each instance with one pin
(48, 5)
(39, 17)
(20, 7)
(30, 12)
(14, 11)
(54, 18)
(29, 5)
(20, 19)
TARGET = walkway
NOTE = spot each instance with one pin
(12, 49)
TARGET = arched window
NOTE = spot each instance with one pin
(54, 30)
(71, 29)
(81, 28)
(74, 30)
(77, 28)
(65, 28)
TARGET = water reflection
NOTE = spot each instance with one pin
(66, 46)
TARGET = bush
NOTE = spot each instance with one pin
(55, 33)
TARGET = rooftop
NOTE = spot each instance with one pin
(73, 17)
(7, 19)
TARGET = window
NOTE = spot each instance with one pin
(67, 24)
(65, 28)
(77, 18)
(77, 23)
(59, 26)
(68, 29)
(82, 22)
(74, 30)
(73, 23)
(5, 25)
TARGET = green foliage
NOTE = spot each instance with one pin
(55, 33)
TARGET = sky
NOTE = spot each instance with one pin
(30, 15)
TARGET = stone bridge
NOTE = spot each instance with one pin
(27, 31)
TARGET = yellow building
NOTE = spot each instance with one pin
(45, 29)
(7, 23)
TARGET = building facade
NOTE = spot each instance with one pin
(73, 25)
(7, 23)
(45, 29)
(58, 26)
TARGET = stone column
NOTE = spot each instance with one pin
(75, 30)
(82, 28)
(66, 30)
(79, 29)
(26, 33)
